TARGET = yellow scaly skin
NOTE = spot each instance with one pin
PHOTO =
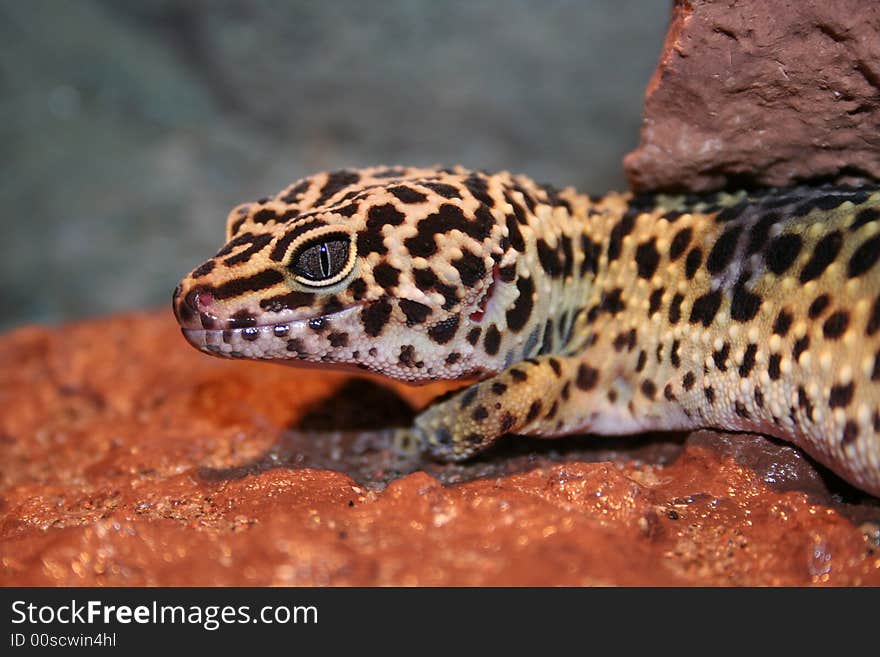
(739, 311)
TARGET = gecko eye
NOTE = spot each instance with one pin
(323, 261)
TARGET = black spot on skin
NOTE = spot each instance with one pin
(468, 396)
(507, 274)
(760, 232)
(680, 242)
(835, 325)
(865, 216)
(659, 353)
(480, 413)
(667, 392)
(471, 268)
(386, 275)
(518, 314)
(425, 279)
(619, 342)
(264, 216)
(287, 301)
(748, 360)
(782, 323)
(773, 367)
(592, 252)
(534, 410)
(518, 375)
(416, 313)
(874, 318)
(204, 270)
(554, 408)
(720, 357)
(620, 230)
(674, 358)
(705, 308)
(473, 336)
(823, 255)
(740, 409)
(692, 262)
(514, 234)
(612, 301)
(407, 355)
(782, 252)
(731, 213)
(478, 186)
(296, 345)
(675, 308)
(841, 395)
(338, 339)
(566, 391)
(443, 332)
(759, 398)
(549, 258)
(448, 217)
(723, 250)
(647, 259)
(555, 366)
(864, 257)
(336, 181)
(499, 388)
(238, 286)
(649, 389)
(688, 381)
(408, 194)
(443, 436)
(643, 359)
(850, 433)
(453, 358)
(375, 316)
(507, 422)
(818, 306)
(612, 395)
(241, 319)
(255, 243)
(444, 190)
(744, 305)
(492, 341)
(358, 288)
(805, 403)
(654, 300)
(800, 347)
(294, 193)
(587, 377)
(709, 392)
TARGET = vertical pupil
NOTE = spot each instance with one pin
(324, 259)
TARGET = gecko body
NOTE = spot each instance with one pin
(744, 311)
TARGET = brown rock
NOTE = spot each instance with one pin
(762, 92)
(127, 458)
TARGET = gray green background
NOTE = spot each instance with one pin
(129, 128)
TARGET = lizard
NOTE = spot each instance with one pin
(754, 311)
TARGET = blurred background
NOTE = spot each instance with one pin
(128, 129)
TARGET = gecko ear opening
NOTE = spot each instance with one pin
(478, 314)
(323, 261)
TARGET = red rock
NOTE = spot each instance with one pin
(127, 458)
(762, 92)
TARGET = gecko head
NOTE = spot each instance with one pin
(396, 271)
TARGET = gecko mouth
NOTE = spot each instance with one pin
(270, 340)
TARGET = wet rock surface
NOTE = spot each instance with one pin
(127, 458)
(768, 93)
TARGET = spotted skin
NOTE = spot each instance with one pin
(740, 311)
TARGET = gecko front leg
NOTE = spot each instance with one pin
(523, 399)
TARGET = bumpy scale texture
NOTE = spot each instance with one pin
(741, 311)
